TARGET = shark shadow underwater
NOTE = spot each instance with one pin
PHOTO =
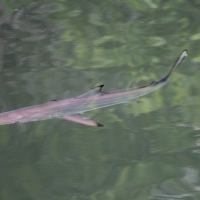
(71, 109)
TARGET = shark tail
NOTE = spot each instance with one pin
(176, 64)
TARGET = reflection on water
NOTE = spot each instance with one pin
(147, 150)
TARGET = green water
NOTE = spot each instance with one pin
(146, 150)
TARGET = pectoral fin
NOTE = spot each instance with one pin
(81, 119)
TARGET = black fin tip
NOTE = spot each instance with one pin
(100, 125)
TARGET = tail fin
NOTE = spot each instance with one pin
(179, 60)
(176, 64)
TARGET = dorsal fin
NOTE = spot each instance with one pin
(92, 92)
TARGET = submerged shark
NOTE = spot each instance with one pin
(71, 109)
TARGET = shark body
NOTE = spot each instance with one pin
(71, 109)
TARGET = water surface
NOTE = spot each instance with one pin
(146, 150)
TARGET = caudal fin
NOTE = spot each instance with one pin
(176, 64)
(179, 60)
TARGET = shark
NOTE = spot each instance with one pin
(72, 109)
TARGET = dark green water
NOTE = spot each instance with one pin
(146, 150)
